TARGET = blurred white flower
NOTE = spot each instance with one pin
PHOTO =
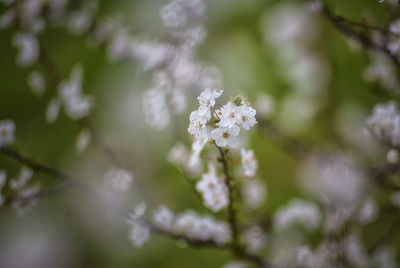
(83, 140)
(213, 190)
(37, 83)
(163, 218)
(255, 239)
(119, 179)
(254, 193)
(249, 162)
(300, 212)
(7, 132)
(53, 110)
(28, 48)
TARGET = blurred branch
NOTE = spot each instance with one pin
(380, 174)
(50, 65)
(343, 25)
(41, 193)
(290, 145)
(112, 156)
(70, 182)
(232, 217)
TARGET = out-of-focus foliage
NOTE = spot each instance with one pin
(312, 76)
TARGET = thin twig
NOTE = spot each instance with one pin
(232, 217)
(112, 156)
(343, 26)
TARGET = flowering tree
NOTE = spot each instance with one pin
(345, 210)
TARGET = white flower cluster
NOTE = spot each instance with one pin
(118, 179)
(76, 105)
(173, 66)
(335, 179)
(140, 232)
(205, 228)
(351, 249)
(79, 21)
(24, 191)
(178, 13)
(7, 130)
(293, 31)
(298, 211)
(155, 103)
(163, 218)
(191, 225)
(213, 190)
(381, 70)
(384, 123)
(227, 119)
(28, 49)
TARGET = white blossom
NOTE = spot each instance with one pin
(139, 234)
(119, 179)
(354, 250)
(207, 100)
(249, 162)
(245, 116)
(392, 156)
(197, 147)
(334, 179)
(178, 13)
(395, 27)
(204, 228)
(79, 21)
(226, 137)
(368, 211)
(53, 110)
(7, 130)
(163, 218)
(28, 47)
(76, 105)
(37, 83)
(213, 190)
(156, 108)
(228, 114)
(24, 176)
(384, 123)
(198, 125)
(300, 212)
(83, 140)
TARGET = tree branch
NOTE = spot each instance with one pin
(232, 217)
(343, 26)
(70, 182)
